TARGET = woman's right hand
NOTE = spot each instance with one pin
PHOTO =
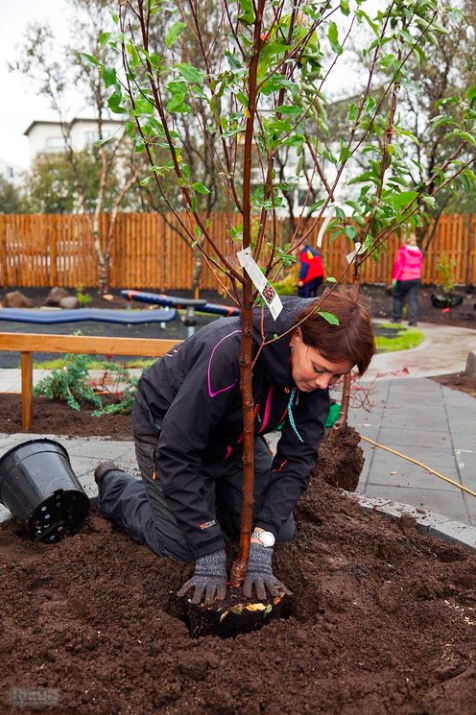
(209, 580)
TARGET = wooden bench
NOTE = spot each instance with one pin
(29, 343)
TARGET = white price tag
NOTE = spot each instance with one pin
(266, 290)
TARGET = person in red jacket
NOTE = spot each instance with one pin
(311, 273)
(407, 270)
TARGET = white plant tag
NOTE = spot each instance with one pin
(359, 248)
(266, 290)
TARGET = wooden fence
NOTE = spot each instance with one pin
(47, 250)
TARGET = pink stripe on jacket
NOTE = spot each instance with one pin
(408, 264)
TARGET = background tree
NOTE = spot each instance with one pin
(266, 92)
(12, 199)
(114, 163)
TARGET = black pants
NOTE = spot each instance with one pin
(139, 507)
(309, 290)
(408, 290)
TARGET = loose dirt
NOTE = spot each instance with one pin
(382, 621)
(458, 381)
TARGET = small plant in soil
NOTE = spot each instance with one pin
(83, 297)
(70, 384)
(446, 269)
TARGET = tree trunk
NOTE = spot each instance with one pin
(241, 564)
(197, 271)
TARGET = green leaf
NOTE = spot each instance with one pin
(466, 136)
(330, 317)
(283, 109)
(273, 48)
(345, 154)
(248, 15)
(471, 93)
(143, 106)
(177, 104)
(344, 7)
(190, 73)
(109, 76)
(333, 35)
(403, 199)
(201, 188)
(92, 60)
(104, 37)
(353, 112)
(174, 33)
(114, 101)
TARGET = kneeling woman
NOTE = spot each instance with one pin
(188, 431)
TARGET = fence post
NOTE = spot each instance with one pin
(3, 251)
(26, 390)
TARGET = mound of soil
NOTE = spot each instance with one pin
(341, 459)
(382, 621)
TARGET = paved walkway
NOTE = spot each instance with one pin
(443, 351)
(409, 413)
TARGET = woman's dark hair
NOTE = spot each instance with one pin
(353, 339)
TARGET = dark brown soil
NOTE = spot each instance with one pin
(341, 459)
(458, 381)
(382, 622)
(52, 417)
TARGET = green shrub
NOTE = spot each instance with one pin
(70, 384)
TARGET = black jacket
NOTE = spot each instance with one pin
(190, 400)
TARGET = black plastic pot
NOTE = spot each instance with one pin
(446, 301)
(39, 487)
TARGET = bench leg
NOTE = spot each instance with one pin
(26, 390)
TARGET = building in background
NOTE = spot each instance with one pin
(12, 173)
(47, 137)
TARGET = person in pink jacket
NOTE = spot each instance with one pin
(406, 276)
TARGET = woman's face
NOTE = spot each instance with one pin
(310, 370)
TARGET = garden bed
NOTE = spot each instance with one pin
(382, 621)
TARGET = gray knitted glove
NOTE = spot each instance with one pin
(209, 579)
(260, 574)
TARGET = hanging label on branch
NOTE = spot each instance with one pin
(266, 290)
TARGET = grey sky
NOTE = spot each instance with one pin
(20, 104)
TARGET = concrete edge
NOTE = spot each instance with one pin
(428, 523)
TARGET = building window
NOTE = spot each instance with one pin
(9, 172)
(91, 138)
(55, 144)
